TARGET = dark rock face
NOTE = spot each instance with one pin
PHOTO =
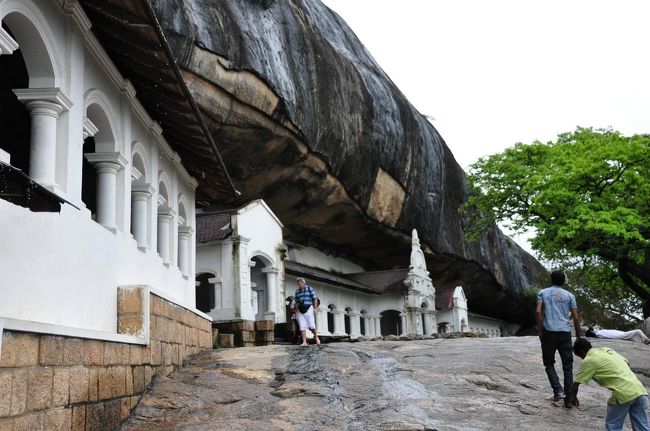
(307, 120)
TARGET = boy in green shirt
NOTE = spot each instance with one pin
(612, 371)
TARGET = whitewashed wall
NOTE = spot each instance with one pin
(313, 257)
(64, 269)
(257, 233)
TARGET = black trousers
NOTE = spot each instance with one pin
(560, 342)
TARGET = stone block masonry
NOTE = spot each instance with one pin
(53, 382)
(247, 333)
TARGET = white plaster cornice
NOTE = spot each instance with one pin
(185, 230)
(89, 129)
(74, 9)
(166, 212)
(143, 188)
(112, 157)
(270, 270)
(7, 43)
(135, 174)
(53, 95)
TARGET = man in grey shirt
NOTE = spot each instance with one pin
(555, 308)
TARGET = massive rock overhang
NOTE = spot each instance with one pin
(131, 35)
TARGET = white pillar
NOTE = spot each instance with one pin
(377, 326)
(404, 329)
(355, 325)
(44, 106)
(321, 322)
(339, 322)
(165, 216)
(184, 241)
(271, 294)
(140, 195)
(106, 165)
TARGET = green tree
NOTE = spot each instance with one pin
(586, 196)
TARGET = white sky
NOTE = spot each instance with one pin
(493, 73)
(496, 72)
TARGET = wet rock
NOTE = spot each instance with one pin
(444, 384)
(307, 120)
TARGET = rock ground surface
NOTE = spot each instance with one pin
(460, 384)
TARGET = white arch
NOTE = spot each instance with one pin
(184, 209)
(202, 271)
(269, 262)
(108, 138)
(139, 149)
(42, 57)
(163, 179)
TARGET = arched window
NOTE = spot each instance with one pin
(205, 292)
(165, 217)
(101, 162)
(30, 141)
(362, 323)
(141, 192)
(15, 123)
(347, 323)
(184, 238)
(330, 317)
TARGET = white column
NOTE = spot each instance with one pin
(140, 195)
(321, 322)
(354, 325)
(271, 294)
(404, 329)
(339, 323)
(106, 165)
(184, 241)
(377, 326)
(165, 216)
(44, 106)
(369, 326)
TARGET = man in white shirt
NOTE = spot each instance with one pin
(634, 335)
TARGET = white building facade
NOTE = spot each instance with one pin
(239, 264)
(131, 213)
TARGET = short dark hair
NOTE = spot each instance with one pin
(581, 346)
(590, 332)
(558, 278)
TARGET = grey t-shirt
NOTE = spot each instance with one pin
(556, 311)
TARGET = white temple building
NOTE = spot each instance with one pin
(245, 271)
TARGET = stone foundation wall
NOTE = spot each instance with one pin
(50, 382)
(247, 333)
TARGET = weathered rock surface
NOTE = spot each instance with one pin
(466, 384)
(307, 120)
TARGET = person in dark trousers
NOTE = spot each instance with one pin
(555, 306)
(612, 371)
(292, 324)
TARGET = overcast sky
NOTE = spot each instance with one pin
(493, 73)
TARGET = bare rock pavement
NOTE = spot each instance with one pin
(461, 384)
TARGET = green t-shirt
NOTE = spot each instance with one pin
(611, 370)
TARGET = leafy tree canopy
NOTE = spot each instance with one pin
(585, 195)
